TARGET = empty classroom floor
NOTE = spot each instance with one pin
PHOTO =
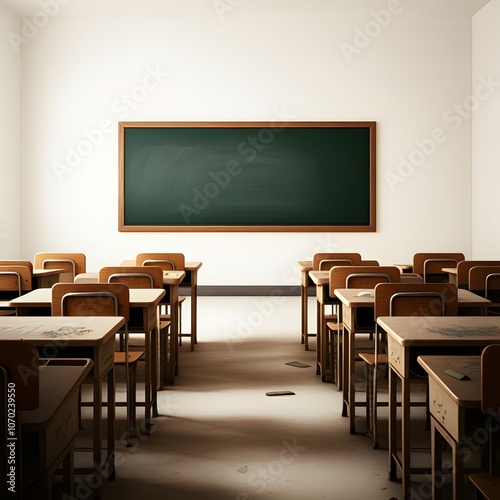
(218, 436)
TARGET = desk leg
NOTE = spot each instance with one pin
(351, 385)
(147, 381)
(405, 439)
(345, 370)
(320, 316)
(111, 425)
(303, 301)
(194, 301)
(393, 446)
(97, 415)
(155, 335)
(436, 460)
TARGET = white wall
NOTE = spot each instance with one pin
(486, 126)
(257, 59)
(10, 137)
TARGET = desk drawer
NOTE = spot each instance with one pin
(397, 357)
(46, 448)
(445, 411)
(104, 358)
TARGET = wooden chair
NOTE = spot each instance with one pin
(103, 299)
(72, 263)
(430, 265)
(168, 262)
(401, 299)
(323, 261)
(485, 281)
(464, 266)
(26, 263)
(360, 276)
(148, 277)
(487, 485)
(15, 280)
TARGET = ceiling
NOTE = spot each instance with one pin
(448, 8)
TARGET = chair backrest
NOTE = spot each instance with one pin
(19, 366)
(415, 299)
(91, 299)
(490, 395)
(485, 281)
(166, 261)
(26, 263)
(465, 266)
(15, 280)
(362, 276)
(72, 263)
(133, 276)
(325, 260)
(429, 265)
(490, 380)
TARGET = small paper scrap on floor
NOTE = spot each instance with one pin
(280, 393)
(297, 364)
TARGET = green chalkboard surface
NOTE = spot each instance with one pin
(247, 176)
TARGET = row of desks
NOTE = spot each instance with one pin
(89, 338)
(94, 338)
(408, 338)
(441, 336)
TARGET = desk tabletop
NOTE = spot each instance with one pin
(71, 330)
(305, 265)
(449, 270)
(42, 297)
(466, 393)
(169, 277)
(351, 297)
(59, 380)
(41, 273)
(355, 297)
(188, 266)
(322, 278)
(442, 330)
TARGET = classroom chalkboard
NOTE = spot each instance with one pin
(247, 176)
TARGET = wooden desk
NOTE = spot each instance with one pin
(50, 431)
(144, 304)
(455, 408)
(305, 284)
(321, 279)
(190, 280)
(405, 268)
(352, 299)
(45, 278)
(78, 337)
(452, 274)
(172, 281)
(351, 302)
(409, 337)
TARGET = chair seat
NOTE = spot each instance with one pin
(369, 358)
(133, 357)
(488, 486)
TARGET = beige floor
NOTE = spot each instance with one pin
(218, 435)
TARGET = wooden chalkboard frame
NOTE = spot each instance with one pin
(369, 227)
